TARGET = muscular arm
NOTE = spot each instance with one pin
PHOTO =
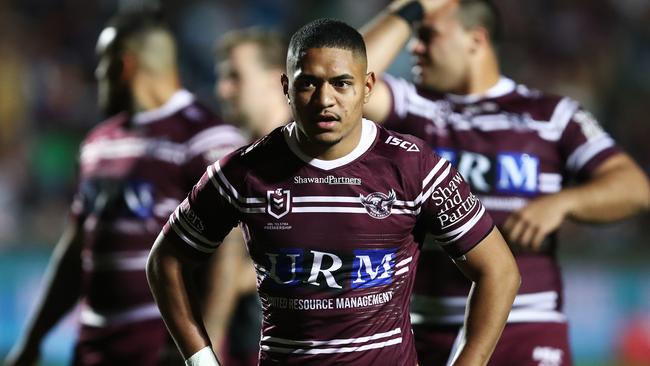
(616, 190)
(492, 268)
(169, 271)
(61, 292)
(385, 36)
(223, 285)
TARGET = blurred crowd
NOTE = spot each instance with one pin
(597, 51)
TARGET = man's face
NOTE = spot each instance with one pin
(243, 79)
(327, 88)
(113, 91)
(441, 48)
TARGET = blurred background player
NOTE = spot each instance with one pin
(134, 168)
(249, 64)
(519, 148)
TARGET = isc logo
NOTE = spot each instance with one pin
(363, 269)
(406, 145)
(508, 173)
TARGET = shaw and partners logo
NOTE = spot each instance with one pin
(363, 268)
(330, 179)
(378, 205)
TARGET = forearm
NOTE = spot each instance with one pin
(168, 280)
(223, 285)
(616, 193)
(61, 290)
(489, 304)
(385, 36)
(492, 268)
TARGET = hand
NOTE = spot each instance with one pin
(529, 226)
(22, 356)
(430, 6)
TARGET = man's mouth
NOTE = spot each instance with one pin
(326, 120)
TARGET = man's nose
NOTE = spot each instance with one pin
(325, 95)
(416, 46)
(225, 89)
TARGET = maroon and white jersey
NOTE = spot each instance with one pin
(511, 145)
(133, 173)
(335, 243)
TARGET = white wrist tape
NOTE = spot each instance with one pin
(204, 357)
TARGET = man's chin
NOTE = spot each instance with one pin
(326, 138)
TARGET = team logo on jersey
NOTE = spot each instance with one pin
(377, 204)
(406, 145)
(279, 202)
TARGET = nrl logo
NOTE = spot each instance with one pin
(378, 204)
(279, 202)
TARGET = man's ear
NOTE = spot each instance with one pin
(371, 79)
(480, 39)
(128, 66)
(284, 79)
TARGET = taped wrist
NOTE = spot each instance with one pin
(204, 357)
(412, 12)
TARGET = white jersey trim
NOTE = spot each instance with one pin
(501, 203)
(178, 101)
(368, 136)
(119, 261)
(94, 318)
(310, 344)
(133, 147)
(583, 154)
(501, 88)
(406, 99)
(531, 307)
(224, 136)
(177, 218)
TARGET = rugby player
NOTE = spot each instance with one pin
(134, 169)
(334, 209)
(248, 63)
(518, 148)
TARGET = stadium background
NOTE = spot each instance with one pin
(597, 51)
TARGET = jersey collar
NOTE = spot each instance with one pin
(368, 135)
(502, 87)
(178, 101)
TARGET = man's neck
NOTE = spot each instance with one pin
(278, 114)
(272, 111)
(154, 94)
(483, 76)
(330, 152)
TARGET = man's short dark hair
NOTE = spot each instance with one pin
(271, 45)
(133, 24)
(325, 33)
(481, 13)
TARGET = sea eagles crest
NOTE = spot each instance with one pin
(279, 202)
(378, 204)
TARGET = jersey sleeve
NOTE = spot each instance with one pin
(206, 216)
(584, 144)
(400, 89)
(81, 205)
(452, 213)
(210, 145)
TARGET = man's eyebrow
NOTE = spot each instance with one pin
(342, 77)
(306, 76)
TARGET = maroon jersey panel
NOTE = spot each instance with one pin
(134, 171)
(511, 145)
(335, 243)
